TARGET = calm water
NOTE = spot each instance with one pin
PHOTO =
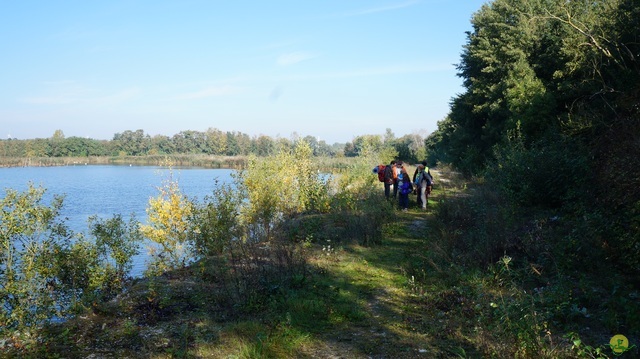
(108, 190)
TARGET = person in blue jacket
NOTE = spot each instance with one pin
(405, 187)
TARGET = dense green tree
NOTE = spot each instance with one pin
(532, 67)
(283, 144)
(263, 146)
(323, 149)
(350, 150)
(216, 141)
(553, 86)
(319, 147)
(244, 143)
(56, 145)
(190, 142)
(83, 147)
(161, 144)
(58, 135)
(363, 143)
(137, 143)
(36, 148)
(132, 143)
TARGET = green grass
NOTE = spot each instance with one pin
(352, 304)
(406, 297)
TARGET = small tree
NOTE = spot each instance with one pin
(28, 233)
(116, 242)
(216, 221)
(168, 228)
(281, 186)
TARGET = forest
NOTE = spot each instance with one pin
(530, 247)
(550, 118)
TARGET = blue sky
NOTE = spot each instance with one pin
(334, 69)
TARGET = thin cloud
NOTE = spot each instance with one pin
(389, 70)
(121, 96)
(50, 100)
(81, 96)
(294, 58)
(378, 71)
(279, 45)
(61, 92)
(208, 92)
(383, 8)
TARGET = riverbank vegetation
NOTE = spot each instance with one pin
(236, 237)
(210, 149)
(529, 249)
(320, 270)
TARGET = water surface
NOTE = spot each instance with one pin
(108, 190)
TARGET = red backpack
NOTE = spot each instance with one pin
(381, 172)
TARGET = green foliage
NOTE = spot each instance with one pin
(537, 67)
(549, 173)
(117, 242)
(313, 187)
(168, 228)
(46, 270)
(216, 220)
(356, 209)
(549, 116)
(583, 350)
(29, 237)
(476, 230)
(409, 148)
(545, 271)
(136, 143)
(281, 187)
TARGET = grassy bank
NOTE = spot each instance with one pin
(352, 302)
(433, 286)
(327, 164)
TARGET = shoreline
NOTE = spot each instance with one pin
(229, 162)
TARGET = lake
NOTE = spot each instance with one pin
(108, 190)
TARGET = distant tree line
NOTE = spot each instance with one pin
(138, 143)
(212, 142)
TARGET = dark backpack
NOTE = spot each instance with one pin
(427, 178)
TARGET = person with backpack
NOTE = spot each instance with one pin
(424, 182)
(419, 181)
(404, 187)
(417, 177)
(390, 178)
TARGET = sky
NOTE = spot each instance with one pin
(332, 69)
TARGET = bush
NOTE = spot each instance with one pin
(47, 270)
(216, 221)
(281, 187)
(168, 228)
(30, 240)
(547, 174)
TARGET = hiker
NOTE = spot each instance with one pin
(422, 183)
(404, 186)
(390, 178)
(425, 184)
(396, 172)
(417, 177)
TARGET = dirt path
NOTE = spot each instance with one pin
(388, 303)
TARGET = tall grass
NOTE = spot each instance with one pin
(186, 160)
(539, 276)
